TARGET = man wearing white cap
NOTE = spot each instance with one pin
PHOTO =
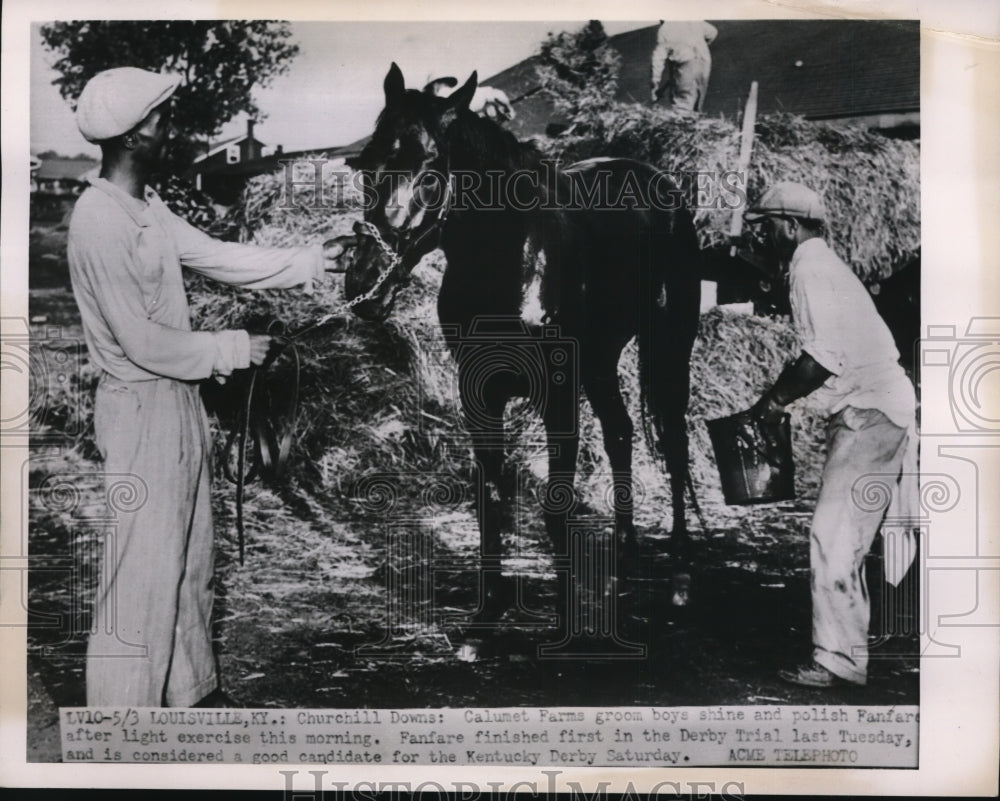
(850, 365)
(151, 644)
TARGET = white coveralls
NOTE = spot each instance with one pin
(871, 431)
(681, 64)
(152, 640)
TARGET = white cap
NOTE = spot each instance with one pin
(787, 199)
(116, 100)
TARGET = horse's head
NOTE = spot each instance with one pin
(405, 178)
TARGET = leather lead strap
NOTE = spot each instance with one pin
(267, 422)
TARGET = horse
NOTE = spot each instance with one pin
(590, 245)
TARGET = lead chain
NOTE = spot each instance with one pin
(394, 260)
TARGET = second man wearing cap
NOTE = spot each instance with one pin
(850, 365)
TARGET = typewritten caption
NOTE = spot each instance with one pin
(788, 736)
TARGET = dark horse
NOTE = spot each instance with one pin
(615, 263)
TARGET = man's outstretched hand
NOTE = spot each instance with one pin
(333, 251)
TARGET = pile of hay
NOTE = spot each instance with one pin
(300, 202)
(365, 405)
(871, 184)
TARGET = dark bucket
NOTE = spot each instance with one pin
(754, 459)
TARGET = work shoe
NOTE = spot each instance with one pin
(814, 675)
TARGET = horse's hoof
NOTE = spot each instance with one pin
(682, 589)
(468, 651)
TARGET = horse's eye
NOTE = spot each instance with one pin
(403, 150)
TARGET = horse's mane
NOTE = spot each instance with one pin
(477, 142)
(480, 144)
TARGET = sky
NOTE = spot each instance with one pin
(333, 89)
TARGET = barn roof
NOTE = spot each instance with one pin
(820, 69)
(817, 68)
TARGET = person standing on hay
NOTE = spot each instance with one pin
(850, 365)
(151, 643)
(681, 64)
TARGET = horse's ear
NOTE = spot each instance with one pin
(436, 87)
(394, 85)
(460, 98)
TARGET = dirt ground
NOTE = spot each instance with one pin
(311, 627)
(313, 619)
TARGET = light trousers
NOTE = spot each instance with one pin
(684, 84)
(151, 644)
(860, 442)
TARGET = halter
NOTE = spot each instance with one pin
(393, 256)
(437, 227)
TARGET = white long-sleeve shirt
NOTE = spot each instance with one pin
(125, 259)
(838, 325)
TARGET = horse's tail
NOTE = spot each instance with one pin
(669, 312)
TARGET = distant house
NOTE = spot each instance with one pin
(61, 176)
(223, 172)
(56, 183)
(212, 171)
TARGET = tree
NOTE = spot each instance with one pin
(219, 64)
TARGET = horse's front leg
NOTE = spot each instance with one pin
(561, 415)
(496, 593)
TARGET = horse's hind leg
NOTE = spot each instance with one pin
(683, 301)
(675, 446)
